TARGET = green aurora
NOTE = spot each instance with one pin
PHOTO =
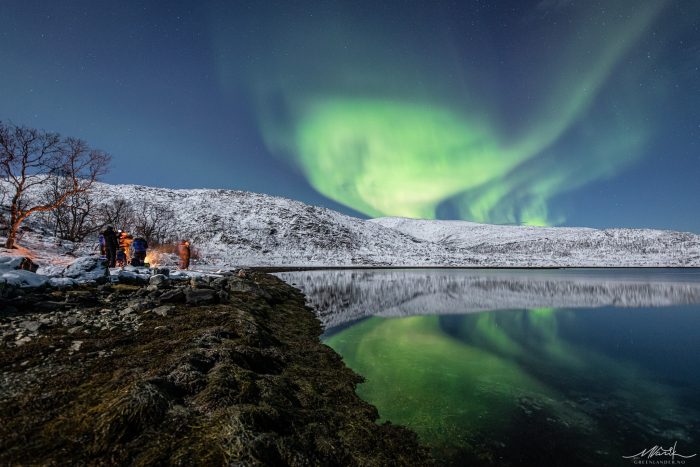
(458, 388)
(434, 128)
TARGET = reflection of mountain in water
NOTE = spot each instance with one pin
(347, 295)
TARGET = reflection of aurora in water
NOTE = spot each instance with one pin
(509, 387)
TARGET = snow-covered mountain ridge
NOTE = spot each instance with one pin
(234, 228)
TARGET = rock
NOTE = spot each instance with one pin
(75, 329)
(76, 346)
(198, 297)
(161, 271)
(71, 321)
(127, 311)
(23, 340)
(31, 326)
(243, 273)
(159, 280)
(139, 305)
(172, 296)
(22, 278)
(87, 268)
(62, 282)
(132, 278)
(219, 282)
(163, 310)
(12, 263)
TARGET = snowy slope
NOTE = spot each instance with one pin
(236, 228)
(553, 246)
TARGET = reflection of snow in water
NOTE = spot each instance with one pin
(341, 296)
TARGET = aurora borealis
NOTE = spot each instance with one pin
(404, 152)
(542, 112)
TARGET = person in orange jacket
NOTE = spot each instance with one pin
(125, 240)
(184, 251)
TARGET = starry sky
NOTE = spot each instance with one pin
(538, 112)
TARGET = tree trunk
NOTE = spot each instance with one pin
(15, 221)
(12, 235)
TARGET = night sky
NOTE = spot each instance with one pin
(545, 112)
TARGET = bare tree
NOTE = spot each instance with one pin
(118, 213)
(76, 218)
(153, 222)
(30, 157)
(4, 211)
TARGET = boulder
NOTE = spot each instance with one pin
(131, 278)
(159, 280)
(86, 269)
(11, 263)
(22, 278)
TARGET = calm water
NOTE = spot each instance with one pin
(523, 367)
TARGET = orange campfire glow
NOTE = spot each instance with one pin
(152, 259)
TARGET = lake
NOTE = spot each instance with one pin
(523, 367)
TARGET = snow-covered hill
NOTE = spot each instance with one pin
(507, 245)
(236, 228)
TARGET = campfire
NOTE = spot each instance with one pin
(153, 258)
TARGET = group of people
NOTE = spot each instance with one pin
(121, 248)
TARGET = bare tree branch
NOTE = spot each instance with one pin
(118, 213)
(29, 158)
(153, 222)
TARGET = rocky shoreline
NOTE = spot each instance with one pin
(225, 370)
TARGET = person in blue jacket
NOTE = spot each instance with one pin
(139, 248)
